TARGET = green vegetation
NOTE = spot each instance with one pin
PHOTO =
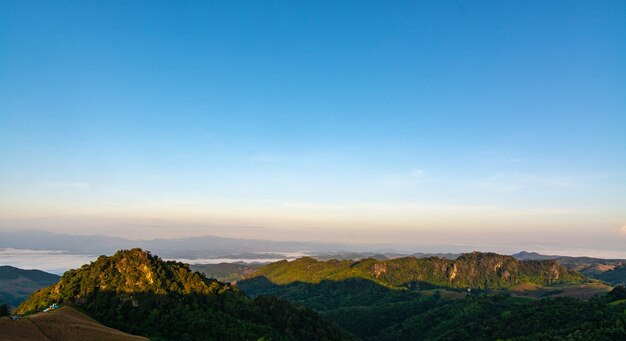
(226, 272)
(473, 270)
(375, 312)
(17, 284)
(397, 299)
(139, 293)
(501, 317)
(427, 299)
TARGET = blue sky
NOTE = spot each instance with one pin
(443, 122)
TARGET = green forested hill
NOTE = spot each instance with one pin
(427, 299)
(141, 294)
(375, 312)
(472, 270)
(500, 317)
(16, 284)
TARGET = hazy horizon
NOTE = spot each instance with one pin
(406, 247)
(499, 126)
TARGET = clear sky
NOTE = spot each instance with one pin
(483, 123)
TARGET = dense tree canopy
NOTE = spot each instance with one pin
(472, 270)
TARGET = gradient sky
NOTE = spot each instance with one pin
(488, 124)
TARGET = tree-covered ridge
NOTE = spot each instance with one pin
(375, 312)
(141, 294)
(472, 270)
(500, 317)
(132, 271)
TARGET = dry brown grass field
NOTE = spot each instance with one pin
(64, 323)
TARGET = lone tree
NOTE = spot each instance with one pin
(4, 310)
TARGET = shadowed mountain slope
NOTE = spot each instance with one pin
(17, 284)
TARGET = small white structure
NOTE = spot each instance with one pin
(51, 307)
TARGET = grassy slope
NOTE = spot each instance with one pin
(64, 323)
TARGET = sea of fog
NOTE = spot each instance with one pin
(57, 262)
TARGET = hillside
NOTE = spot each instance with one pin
(473, 270)
(141, 294)
(61, 324)
(226, 272)
(615, 276)
(611, 271)
(419, 299)
(17, 284)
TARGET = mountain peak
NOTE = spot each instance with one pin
(127, 272)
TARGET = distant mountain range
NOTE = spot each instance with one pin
(201, 247)
(189, 248)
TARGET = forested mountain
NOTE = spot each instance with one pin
(17, 284)
(372, 311)
(141, 294)
(472, 270)
(428, 298)
(501, 317)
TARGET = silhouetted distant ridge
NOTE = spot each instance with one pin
(525, 255)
